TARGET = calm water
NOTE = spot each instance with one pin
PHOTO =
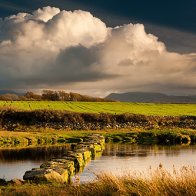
(14, 163)
(125, 158)
(117, 159)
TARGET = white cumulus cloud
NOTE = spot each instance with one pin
(75, 50)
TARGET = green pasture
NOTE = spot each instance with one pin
(105, 107)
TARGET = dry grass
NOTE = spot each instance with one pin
(158, 182)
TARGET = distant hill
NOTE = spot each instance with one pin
(148, 97)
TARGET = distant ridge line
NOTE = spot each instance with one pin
(150, 97)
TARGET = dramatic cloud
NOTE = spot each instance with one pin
(61, 49)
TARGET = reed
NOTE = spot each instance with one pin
(158, 182)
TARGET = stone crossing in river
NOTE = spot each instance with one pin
(61, 170)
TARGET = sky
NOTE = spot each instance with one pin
(98, 47)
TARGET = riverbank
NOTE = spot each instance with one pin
(38, 137)
(158, 182)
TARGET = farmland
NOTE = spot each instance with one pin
(105, 107)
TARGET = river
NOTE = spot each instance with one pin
(116, 159)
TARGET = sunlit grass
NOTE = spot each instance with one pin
(157, 182)
(105, 107)
(48, 136)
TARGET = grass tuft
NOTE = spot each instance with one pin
(158, 182)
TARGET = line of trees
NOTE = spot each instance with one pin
(50, 95)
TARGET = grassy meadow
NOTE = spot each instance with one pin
(105, 107)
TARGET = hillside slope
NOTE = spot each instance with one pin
(145, 97)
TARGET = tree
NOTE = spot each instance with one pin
(50, 95)
(9, 97)
(32, 96)
(64, 96)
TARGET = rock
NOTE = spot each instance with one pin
(36, 172)
(60, 170)
(78, 159)
(47, 175)
(61, 176)
(86, 155)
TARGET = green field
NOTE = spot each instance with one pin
(105, 107)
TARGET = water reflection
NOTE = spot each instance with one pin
(33, 154)
(116, 158)
(145, 150)
(15, 162)
(124, 158)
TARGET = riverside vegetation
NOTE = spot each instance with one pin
(50, 127)
(132, 136)
(158, 182)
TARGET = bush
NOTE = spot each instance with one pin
(13, 119)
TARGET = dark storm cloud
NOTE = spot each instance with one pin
(74, 64)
